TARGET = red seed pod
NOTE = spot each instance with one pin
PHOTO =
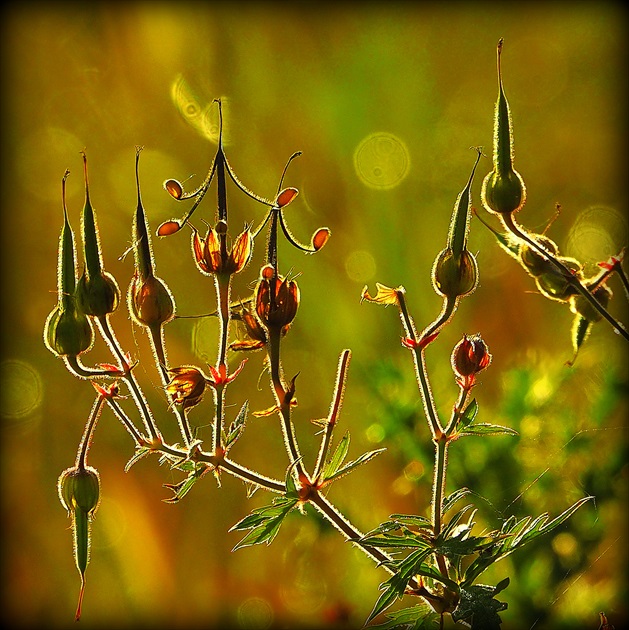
(174, 188)
(469, 357)
(168, 227)
(285, 197)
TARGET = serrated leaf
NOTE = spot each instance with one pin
(363, 459)
(419, 617)
(395, 586)
(451, 499)
(478, 607)
(237, 426)
(468, 416)
(487, 429)
(337, 459)
(388, 540)
(264, 522)
(291, 486)
(411, 520)
(140, 453)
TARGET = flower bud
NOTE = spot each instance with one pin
(277, 299)
(79, 488)
(469, 357)
(150, 301)
(454, 276)
(187, 385)
(556, 284)
(535, 263)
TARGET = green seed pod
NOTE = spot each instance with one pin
(97, 291)
(579, 305)
(98, 295)
(454, 276)
(503, 190)
(67, 332)
(79, 489)
(555, 284)
(532, 260)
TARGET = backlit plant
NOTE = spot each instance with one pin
(434, 558)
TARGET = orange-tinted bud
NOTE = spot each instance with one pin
(277, 299)
(454, 276)
(469, 357)
(187, 385)
(150, 301)
(212, 255)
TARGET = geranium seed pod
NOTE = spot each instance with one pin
(150, 301)
(556, 284)
(583, 307)
(470, 356)
(454, 276)
(79, 489)
(503, 190)
(534, 262)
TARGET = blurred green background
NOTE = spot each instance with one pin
(322, 79)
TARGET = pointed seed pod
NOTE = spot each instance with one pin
(79, 492)
(555, 284)
(532, 260)
(149, 300)
(67, 332)
(97, 292)
(503, 190)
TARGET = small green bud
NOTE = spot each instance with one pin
(580, 305)
(556, 284)
(532, 260)
(454, 276)
(503, 190)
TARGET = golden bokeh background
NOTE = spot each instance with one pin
(384, 101)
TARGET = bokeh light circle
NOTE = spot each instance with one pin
(382, 161)
(598, 233)
(22, 389)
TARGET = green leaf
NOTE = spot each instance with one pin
(419, 617)
(395, 586)
(237, 426)
(487, 429)
(291, 486)
(468, 416)
(337, 459)
(451, 499)
(388, 540)
(182, 488)
(411, 520)
(478, 607)
(140, 452)
(264, 522)
(363, 459)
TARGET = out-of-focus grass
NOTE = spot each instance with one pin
(322, 81)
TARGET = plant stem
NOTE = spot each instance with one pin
(86, 440)
(222, 282)
(129, 378)
(515, 229)
(335, 409)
